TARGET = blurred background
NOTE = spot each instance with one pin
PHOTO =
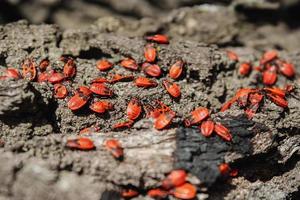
(80, 13)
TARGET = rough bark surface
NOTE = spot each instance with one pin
(34, 126)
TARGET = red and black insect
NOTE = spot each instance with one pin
(159, 38)
(29, 71)
(123, 124)
(60, 91)
(44, 64)
(151, 69)
(164, 119)
(157, 193)
(226, 170)
(101, 106)
(80, 144)
(104, 65)
(174, 179)
(115, 148)
(251, 99)
(145, 82)
(114, 78)
(129, 193)
(185, 191)
(129, 63)
(176, 69)
(196, 116)
(69, 67)
(270, 66)
(101, 89)
(245, 68)
(172, 88)
(134, 109)
(207, 127)
(150, 53)
(80, 98)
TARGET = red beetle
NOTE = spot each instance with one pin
(129, 193)
(157, 193)
(151, 70)
(101, 89)
(145, 82)
(225, 170)
(207, 128)
(88, 130)
(159, 38)
(196, 116)
(101, 106)
(176, 69)
(129, 63)
(60, 91)
(245, 68)
(56, 77)
(287, 69)
(172, 88)
(43, 77)
(268, 57)
(134, 109)
(80, 98)
(118, 77)
(223, 132)
(115, 148)
(69, 68)
(164, 119)
(232, 56)
(81, 144)
(104, 65)
(29, 69)
(12, 73)
(44, 64)
(270, 75)
(185, 191)
(150, 53)
(125, 124)
(77, 101)
(174, 179)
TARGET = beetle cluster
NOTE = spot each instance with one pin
(44, 73)
(269, 65)
(174, 184)
(251, 99)
(162, 114)
(207, 126)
